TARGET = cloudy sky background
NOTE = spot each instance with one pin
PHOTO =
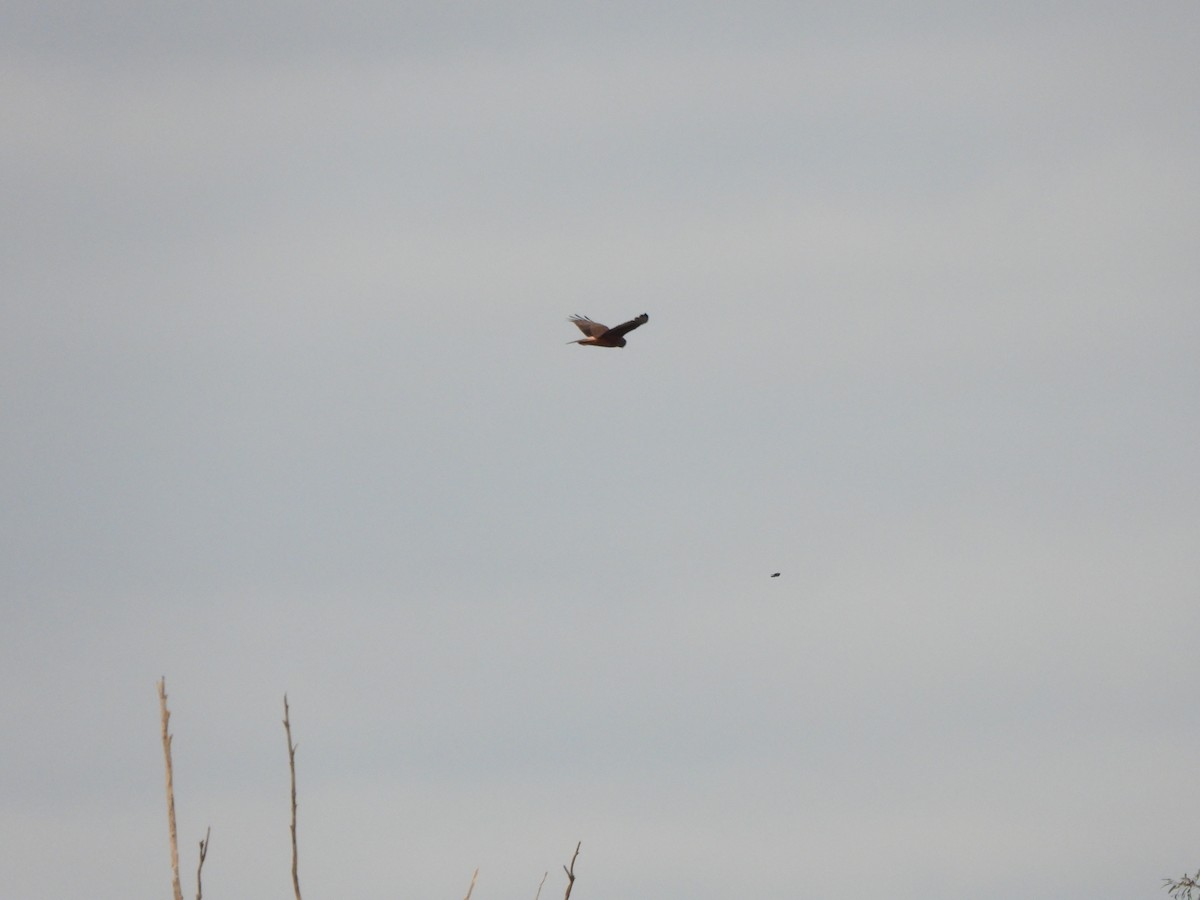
(287, 405)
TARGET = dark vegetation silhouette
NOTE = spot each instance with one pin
(176, 886)
(1185, 888)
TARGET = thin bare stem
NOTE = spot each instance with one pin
(472, 887)
(200, 867)
(287, 727)
(538, 895)
(570, 870)
(166, 741)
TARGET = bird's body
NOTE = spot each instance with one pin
(601, 335)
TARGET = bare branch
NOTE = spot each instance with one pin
(472, 887)
(538, 895)
(165, 714)
(287, 727)
(571, 872)
(200, 867)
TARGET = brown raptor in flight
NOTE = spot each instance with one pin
(601, 335)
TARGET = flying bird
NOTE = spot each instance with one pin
(776, 575)
(601, 335)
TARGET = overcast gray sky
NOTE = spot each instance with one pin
(287, 405)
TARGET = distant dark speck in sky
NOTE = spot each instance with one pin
(776, 575)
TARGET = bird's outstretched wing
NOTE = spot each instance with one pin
(625, 327)
(588, 327)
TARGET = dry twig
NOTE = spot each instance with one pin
(571, 872)
(166, 741)
(540, 883)
(287, 727)
(472, 887)
(200, 867)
